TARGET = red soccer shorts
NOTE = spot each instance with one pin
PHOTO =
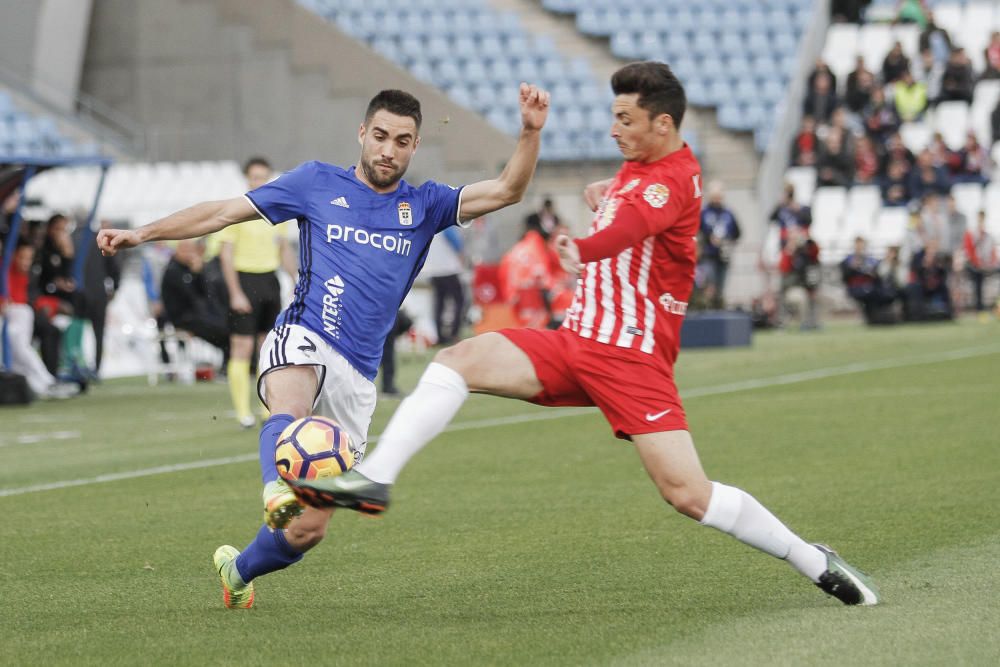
(634, 390)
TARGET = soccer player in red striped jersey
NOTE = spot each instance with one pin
(617, 346)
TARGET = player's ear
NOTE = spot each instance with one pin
(663, 123)
(416, 143)
(361, 134)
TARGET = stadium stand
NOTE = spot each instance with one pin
(478, 55)
(736, 56)
(956, 133)
(138, 192)
(24, 135)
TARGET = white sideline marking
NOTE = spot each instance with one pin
(715, 390)
(35, 438)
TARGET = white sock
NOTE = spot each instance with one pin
(737, 513)
(419, 419)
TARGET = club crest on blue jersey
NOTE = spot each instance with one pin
(405, 214)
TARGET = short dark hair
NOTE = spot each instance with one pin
(397, 102)
(658, 88)
(256, 161)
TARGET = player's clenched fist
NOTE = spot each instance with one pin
(111, 241)
(534, 106)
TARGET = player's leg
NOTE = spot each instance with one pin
(290, 392)
(672, 463)
(241, 346)
(489, 363)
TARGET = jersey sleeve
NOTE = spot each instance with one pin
(287, 197)
(441, 202)
(659, 203)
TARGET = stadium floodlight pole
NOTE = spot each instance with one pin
(8, 257)
(87, 235)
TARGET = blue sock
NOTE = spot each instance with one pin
(269, 434)
(268, 552)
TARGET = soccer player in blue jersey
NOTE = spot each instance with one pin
(364, 234)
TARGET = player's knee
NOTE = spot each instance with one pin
(686, 501)
(305, 535)
(458, 357)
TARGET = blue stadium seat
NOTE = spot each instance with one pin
(490, 46)
(651, 45)
(698, 93)
(624, 45)
(501, 71)
(447, 73)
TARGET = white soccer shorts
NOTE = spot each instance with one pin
(343, 395)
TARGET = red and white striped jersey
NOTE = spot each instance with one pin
(638, 298)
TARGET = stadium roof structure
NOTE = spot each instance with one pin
(15, 172)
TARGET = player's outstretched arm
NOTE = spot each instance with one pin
(508, 188)
(190, 223)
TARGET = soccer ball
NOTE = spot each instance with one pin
(313, 447)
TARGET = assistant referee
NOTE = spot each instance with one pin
(250, 255)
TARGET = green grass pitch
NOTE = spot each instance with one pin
(528, 536)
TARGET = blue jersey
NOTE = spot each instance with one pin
(359, 251)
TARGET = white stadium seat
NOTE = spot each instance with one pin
(916, 136)
(951, 119)
(909, 36)
(803, 179)
(841, 48)
(992, 197)
(827, 214)
(948, 15)
(968, 200)
(864, 202)
(984, 100)
(890, 228)
(876, 40)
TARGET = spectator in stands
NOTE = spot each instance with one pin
(896, 184)
(995, 123)
(880, 117)
(933, 222)
(186, 304)
(892, 279)
(19, 317)
(822, 98)
(913, 11)
(941, 155)
(805, 147)
(910, 97)
(545, 219)
(7, 208)
(835, 165)
(866, 162)
(860, 84)
(895, 149)
(956, 82)
(929, 71)
(799, 266)
(895, 64)
(60, 296)
(926, 178)
(859, 271)
(992, 57)
(822, 68)
(444, 265)
(973, 164)
(935, 39)
(927, 294)
(957, 226)
(847, 11)
(980, 258)
(719, 233)
(843, 127)
(790, 214)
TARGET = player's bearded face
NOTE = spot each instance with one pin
(387, 145)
